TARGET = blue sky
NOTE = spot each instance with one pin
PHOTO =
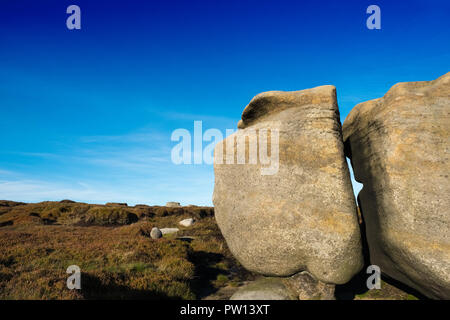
(88, 114)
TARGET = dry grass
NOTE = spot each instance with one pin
(111, 245)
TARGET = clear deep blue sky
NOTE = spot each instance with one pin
(87, 114)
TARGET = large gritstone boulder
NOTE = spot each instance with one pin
(283, 197)
(399, 146)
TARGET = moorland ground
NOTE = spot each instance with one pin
(119, 260)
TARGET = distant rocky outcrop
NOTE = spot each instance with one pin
(303, 215)
(399, 148)
(172, 204)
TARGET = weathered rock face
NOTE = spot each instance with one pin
(399, 146)
(293, 210)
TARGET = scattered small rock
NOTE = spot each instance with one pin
(187, 222)
(169, 230)
(155, 233)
